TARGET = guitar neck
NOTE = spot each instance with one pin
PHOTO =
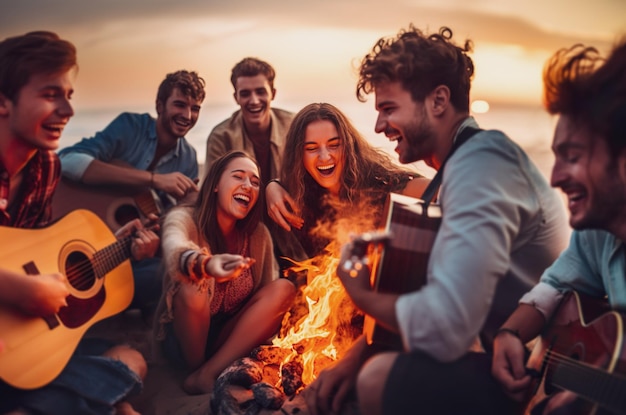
(604, 388)
(111, 256)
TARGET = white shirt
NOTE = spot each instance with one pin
(501, 220)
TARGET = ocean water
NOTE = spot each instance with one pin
(529, 126)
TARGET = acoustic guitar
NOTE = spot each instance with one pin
(582, 351)
(115, 205)
(84, 249)
(401, 266)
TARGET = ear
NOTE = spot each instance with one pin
(439, 100)
(5, 105)
(159, 106)
(235, 97)
(273, 94)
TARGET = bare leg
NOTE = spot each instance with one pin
(192, 319)
(136, 363)
(256, 323)
(371, 383)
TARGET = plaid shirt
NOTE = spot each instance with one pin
(33, 206)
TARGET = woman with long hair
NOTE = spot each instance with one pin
(222, 296)
(329, 170)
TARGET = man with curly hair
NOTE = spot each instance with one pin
(589, 94)
(502, 225)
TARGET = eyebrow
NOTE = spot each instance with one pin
(336, 138)
(244, 172)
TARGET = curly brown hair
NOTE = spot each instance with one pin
(420, 62)
(590, 90)
(189, 83)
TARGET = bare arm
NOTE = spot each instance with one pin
(508, 354)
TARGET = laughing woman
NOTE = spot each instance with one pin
(330, 171)
(222, 296)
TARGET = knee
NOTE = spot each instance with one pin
(284, 292)
(190, 299)
(130, 357)
(371, 381)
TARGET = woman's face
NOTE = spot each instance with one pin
(238, 189)
(323, 155)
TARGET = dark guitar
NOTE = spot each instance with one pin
(84, 249)
(582, 351)
(402, 264)
(114, 205)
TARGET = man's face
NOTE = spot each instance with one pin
(254, 95)
(179, 113)
(588, 174)
(41, 110)
(405, 121)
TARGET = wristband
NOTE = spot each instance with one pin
(275, 181)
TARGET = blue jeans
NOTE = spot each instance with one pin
(90, 384)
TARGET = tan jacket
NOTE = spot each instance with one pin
(231, 135)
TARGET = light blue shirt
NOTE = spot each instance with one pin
(129, 138)
(593, 264)
(502, 222)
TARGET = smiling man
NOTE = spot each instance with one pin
(589, 95)
(502, 225)
(136, 150)
(256, 128)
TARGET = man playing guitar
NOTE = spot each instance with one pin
(589, 94)
(36, 76)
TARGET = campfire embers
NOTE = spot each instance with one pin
(318, 329)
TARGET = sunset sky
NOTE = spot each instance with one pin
(125, 48)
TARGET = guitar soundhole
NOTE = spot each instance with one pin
(125, 213)
(79, 271)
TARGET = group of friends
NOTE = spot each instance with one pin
(499, 266)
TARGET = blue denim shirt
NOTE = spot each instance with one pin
(129, 138)
(594, 264)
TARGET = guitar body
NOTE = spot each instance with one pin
(37, 349)
(114, 205)
(402, 265)
(582, 351)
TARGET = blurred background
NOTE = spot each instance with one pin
(125, 48)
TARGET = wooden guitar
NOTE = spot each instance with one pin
(84, 249)
(402, 264)
(582, 351)
(114, 205)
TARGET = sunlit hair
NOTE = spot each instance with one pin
(205, 207)
(364, 165)
(34, 53)
(252, 67)
(189, 84)
(420, 62)
(590, 90)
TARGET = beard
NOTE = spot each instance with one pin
(419, 138)
(607, 203)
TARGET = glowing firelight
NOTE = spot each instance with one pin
(314, 338)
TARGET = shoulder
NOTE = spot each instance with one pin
(230, 123)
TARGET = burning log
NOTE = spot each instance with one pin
(291, 375)
(267, 396)
(244, 372)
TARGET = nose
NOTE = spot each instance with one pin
(558, 175)
(324, 153)
(66, 109)
(380, 125)
(246, 183)
(254, 98)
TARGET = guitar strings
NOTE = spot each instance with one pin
(104, 256)
(613, 384)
